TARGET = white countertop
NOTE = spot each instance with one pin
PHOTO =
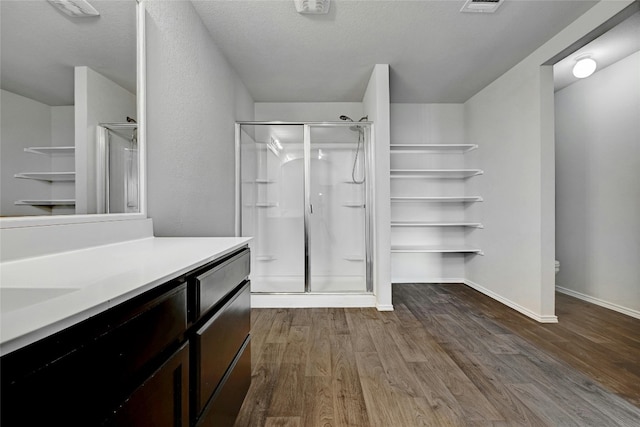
(43, 295)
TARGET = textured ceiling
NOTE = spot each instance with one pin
(436, 53)
(40, 46)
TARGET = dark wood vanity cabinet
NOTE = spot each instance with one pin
(159, 359)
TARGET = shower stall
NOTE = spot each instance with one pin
(117, 166)
(302, 193)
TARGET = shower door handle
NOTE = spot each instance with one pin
(310, 208)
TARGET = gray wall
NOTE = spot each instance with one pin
(598, 185)
(194, 98)
(25, 123)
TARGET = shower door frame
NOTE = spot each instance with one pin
(367, 147)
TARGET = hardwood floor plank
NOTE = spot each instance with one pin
(338, 321)
(348, 399)
(319, 354)
(360, 337)
(544, 407)
(397, 371)
(444, 408)
(318, 402)
(378, 397)
(283, 422)
(297, 347)
(288, 391)
(279, 332)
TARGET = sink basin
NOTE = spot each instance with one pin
(15, 298)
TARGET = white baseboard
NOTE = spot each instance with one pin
(600, 302)
(314, 301)
(384, 307)
(511, 304)
(422, 280)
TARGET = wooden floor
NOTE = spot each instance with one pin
(447, 356)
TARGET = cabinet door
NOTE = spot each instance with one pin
(162, 400)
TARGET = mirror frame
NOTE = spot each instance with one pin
(141, 78)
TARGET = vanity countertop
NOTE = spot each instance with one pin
(43, 295)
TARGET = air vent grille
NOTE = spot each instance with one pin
(481, 6)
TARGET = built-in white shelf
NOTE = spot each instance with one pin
(48, 176)
(355, 258)
(444, 199)
(47, 202)
(52, 151)
(435, 249)
(259, 181)
(267, 204)
(352, 182)
(431, 148)
(265, 258)
(435, 173)
(435, 224)
(353, 204)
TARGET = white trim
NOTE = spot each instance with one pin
(384, 307)
(601, 303)
(511, 304)
(436, 280)
(313, 300)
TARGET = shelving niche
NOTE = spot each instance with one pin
(420, 187)
(52, 177)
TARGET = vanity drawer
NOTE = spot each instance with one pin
(217, 342)
(214, 284)
(162, 400)
(223, 408)
(144, 333)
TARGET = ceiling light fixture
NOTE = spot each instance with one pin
(75, 8)
(312, 6)
(585, 66)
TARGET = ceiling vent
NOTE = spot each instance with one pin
(481, 6)
(312, 6)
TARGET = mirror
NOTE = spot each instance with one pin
(71, 134)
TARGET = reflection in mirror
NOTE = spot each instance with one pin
(68, 137)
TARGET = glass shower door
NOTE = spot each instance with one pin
(272, 205)
(336, 216)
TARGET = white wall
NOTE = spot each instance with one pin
(427, 124)
(307, 111)
(376, 105)
(62, 135)
(598, 186)
(96, 100)
(511, 120)
(194, 98)
(25, 123)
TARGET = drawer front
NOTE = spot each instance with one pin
(213, 285)
(218, 341)
(225, 405)
(162, 400)
(129, 346)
